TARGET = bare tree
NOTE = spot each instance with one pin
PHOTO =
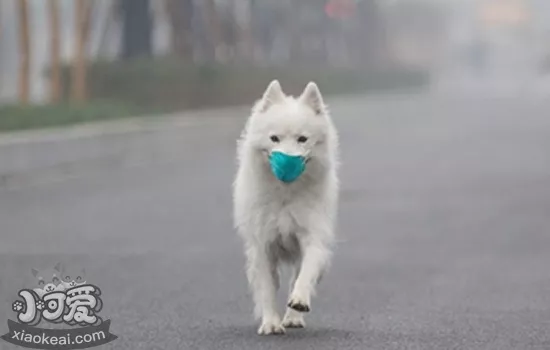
(371, 33)
(109, 20)
(24, 51)
(296, 38)
(82, 16)
(237, 28)
(180, 13)
(246, 39)
(0, 42)
(55, 74)
(214, 26)
(137, 28)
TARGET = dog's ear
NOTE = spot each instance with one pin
(312, 98)
(272, 95)
(34, 272)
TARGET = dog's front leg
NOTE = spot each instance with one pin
(293, 318)
(264, 281)
(315, 258)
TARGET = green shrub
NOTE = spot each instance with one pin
(170, 85)
(16, 117)
(124, 89)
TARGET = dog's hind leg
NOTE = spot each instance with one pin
(314, 262)
(293, 318)
(264, 281)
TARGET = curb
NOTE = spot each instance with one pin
(119, 126)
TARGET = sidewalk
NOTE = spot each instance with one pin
(46, 155)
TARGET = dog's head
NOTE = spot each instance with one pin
(294, 126)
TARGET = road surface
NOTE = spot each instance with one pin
(444, 233)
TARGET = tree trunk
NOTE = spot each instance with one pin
(24, 51)
(370, 32)
(82, 12)
(181, 13)
(212, 21)
(55, 64)
(137, 28)
(0, 22)
(244, 7)
(296, 42)
(111, 17)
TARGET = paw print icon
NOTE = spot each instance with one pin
(17, 306)
(40, 305)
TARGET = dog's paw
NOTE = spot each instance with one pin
(271, 327)
(299, 303)
(294, 319)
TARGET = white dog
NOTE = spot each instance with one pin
(285, 200)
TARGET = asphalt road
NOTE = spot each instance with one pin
(444, 233)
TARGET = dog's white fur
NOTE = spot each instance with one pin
(291, 223)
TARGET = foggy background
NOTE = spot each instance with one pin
(452, 40)
(118, 122)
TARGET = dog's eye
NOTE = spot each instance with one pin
(302, 139)
(78, 278)
(274, 138)
(41, 283)
(67, 278)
